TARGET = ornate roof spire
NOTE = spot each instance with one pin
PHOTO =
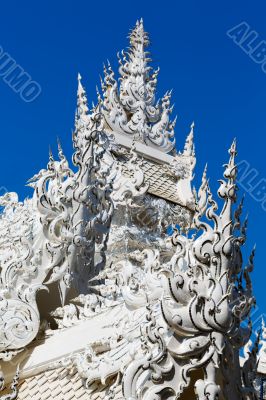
(82, 98)
(228, 188)
(82, 120)
(51, 159)
(138, 36)
(203, 193)
(137, 61)
(131, 108)
(82, 106)
(60, 150)
(189, 149)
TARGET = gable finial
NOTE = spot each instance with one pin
(189, 149)
(82, 103)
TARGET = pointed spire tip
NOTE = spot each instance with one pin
(51, 156)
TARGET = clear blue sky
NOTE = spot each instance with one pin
(215, 83)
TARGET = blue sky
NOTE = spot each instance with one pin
(215, 83)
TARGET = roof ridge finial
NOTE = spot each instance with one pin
(81, 90)
(82, 109)
(51, 162)
(230, 172)
(130, 106)
(60, 149)
(228, 190)
(51, 156)
(138, 36)
(189, 148)
(202, 195)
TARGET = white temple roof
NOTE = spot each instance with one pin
(122, 304)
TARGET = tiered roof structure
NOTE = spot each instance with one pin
(98, 300)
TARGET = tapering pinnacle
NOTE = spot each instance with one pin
(82, 104)
(231, 168)
(137, 63)
(51, 159)
(189, 149)
(129, 107)
(138, 35)
(60, 150)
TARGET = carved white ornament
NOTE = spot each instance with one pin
(156, 308)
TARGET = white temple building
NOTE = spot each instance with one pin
(118, 280)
